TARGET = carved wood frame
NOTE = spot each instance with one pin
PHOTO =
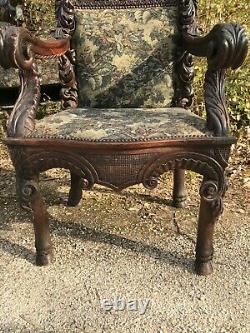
(121, 164)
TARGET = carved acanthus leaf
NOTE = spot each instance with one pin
(187, 10)
(22, 118)
(18, 49)
(202, 164)
(65, 17)
(45, 160)
(184, 64)
(217, 115)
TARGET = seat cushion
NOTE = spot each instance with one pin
(121, 124)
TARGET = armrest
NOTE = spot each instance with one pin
(224, 47)
(19, 49)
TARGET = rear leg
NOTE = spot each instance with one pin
(75, 193)
(179, 194)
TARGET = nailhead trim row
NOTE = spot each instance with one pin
(120, 4)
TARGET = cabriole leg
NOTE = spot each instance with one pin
(179, 195)
(75, 193)
(30, 193)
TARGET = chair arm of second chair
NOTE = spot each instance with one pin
(226, 46)
(20, 49)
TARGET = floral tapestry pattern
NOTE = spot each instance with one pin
(122, 124)
(125, 57)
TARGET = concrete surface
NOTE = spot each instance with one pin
(129, 246)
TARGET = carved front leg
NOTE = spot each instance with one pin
(210, 209)
(31, 195)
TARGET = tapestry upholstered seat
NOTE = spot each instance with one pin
(126, 69)
(120, 124)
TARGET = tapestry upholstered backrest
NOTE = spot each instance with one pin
(126, 53)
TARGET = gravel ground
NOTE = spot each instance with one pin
(129, 246)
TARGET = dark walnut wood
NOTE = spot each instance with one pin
(8, 10)
(122, 164)
(184, 65)
(65, 28)
(224, 47)
(19, 49)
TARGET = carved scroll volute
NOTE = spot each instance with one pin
(214, 184)
(184, 64)
(209, 192)
(65, 28)
(15, 48)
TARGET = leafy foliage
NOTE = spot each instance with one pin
(211, 12)
(39, 17)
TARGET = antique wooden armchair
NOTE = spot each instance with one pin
(126, 71)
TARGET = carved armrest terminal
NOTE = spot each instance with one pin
(19, 49)
(226, 46)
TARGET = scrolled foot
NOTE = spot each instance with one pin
(203, 268)
(44, 258)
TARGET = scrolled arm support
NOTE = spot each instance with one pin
(19, 49)
(15, 48)
(226, 46)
